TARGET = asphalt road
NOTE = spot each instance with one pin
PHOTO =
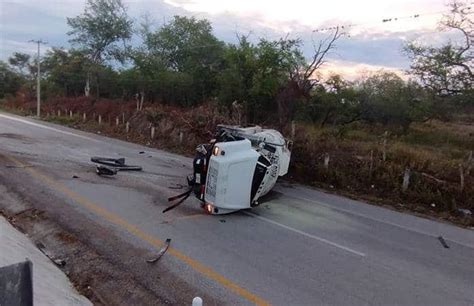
(301, 247)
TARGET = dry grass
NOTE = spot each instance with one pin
(357, 166)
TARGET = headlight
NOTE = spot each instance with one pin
(216, 150)
(209, 208)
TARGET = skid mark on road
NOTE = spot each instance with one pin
(117, 220)
(47, 127)
(337, 245)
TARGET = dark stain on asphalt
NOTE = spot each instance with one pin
(13, 136)
(25, 140)
(443, 242)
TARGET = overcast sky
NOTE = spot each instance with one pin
(370, 43)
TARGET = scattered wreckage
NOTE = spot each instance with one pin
(236, 168)
(231, 172)
(110, 166)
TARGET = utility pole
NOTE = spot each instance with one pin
(38, 79)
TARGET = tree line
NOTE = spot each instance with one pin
(182, 63)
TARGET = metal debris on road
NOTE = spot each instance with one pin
(161, 252)
(183, 196)
(102, 170)
(443, 242)
(117, 163)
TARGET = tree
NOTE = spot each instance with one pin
(10, 81)
(235, 80)
(185, 43)
(385, 98)
(99, 30)
(447, 69)
(142, 80)
(335, 101)
(269, 76)
(186, 47)
(20, 61)
(303, 75)
(253, 75)
(273, 81)
(65, 70)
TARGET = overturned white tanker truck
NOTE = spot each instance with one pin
(236, 168)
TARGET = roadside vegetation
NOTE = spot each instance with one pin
(403, 143)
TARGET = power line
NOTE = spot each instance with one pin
(380, 21)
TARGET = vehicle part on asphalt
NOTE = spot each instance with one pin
(117, 163)
(103, 170)
(443, 242)
(183, 196)
(161, 252)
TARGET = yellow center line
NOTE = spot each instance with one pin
(117, 220)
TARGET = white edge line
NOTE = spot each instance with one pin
(46, 127)
(407, 228)
(169, 155)
(306, 234)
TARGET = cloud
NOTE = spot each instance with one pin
(371, 43)
(311, 13)
(11, 46)
(370, 40)
(56, 8)
(22, 21)
(356, 70)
